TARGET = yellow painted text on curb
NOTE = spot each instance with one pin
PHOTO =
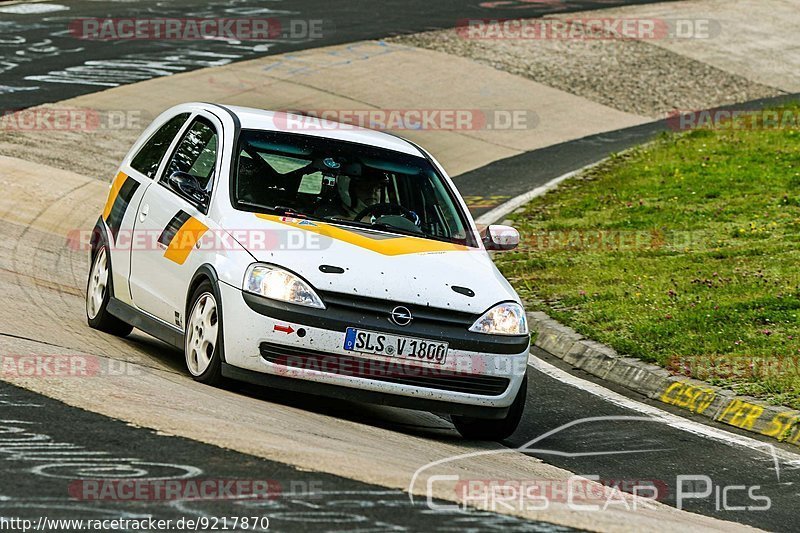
(738, 413)
(741, 414)
(784, 426)
(689, 397)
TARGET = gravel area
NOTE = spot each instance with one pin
(628, 75)
(87, 151)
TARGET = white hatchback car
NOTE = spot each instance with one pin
(326, 259)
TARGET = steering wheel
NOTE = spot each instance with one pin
(388, 209)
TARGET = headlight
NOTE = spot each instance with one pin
(278, 284)
(503, 319)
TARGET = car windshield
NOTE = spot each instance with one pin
(345, 183)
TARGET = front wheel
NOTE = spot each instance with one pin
(98, 293)
(203, 339)
(494, 429)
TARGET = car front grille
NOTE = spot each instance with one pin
(297, 359)
(422, 314)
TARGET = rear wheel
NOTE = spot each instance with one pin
(494, 429)
(98, 293)
(202, 345)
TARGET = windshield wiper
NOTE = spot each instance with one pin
(388, 227)
(278, 210)
(290, 212)
(252, 204)
(380, 226)
(421, 234)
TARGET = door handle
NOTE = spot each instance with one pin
(143, 212)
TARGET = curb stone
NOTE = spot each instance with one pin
(698, 397)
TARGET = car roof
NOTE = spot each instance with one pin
(259, 119)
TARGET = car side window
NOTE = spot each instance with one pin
(150, 155)
(196, 154)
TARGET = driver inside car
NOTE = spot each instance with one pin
(358, 193)
(347, 192)
(367, 199)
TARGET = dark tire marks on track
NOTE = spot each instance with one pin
(47, 447)
(40, 61)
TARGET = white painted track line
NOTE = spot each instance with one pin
(672, 420)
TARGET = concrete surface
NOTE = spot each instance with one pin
(367, 75)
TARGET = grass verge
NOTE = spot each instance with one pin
(683, 253)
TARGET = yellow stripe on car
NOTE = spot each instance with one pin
(380, 243)
(116, 185)
(183, 241)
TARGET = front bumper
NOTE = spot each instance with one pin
(281, 345)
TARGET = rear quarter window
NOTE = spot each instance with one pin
(150, 155)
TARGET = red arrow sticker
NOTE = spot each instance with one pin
(286, 329)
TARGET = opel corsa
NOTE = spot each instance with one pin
(311, 256)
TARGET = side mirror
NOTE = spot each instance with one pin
(499, 237)
(187, 186)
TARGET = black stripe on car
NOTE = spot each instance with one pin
(172, 228)
(120, 205)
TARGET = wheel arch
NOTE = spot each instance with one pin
(98, 236)
(206, 272)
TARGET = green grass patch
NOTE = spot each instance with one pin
(684, 253)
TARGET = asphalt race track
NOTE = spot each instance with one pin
(65, 443)
(647, 449)
(40, 62)
(46, 446)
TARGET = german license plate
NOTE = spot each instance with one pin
(373, 342)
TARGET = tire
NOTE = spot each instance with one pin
(203, 336)
(494, 429)
(98, 292)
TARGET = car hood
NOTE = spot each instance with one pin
(398, 268)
